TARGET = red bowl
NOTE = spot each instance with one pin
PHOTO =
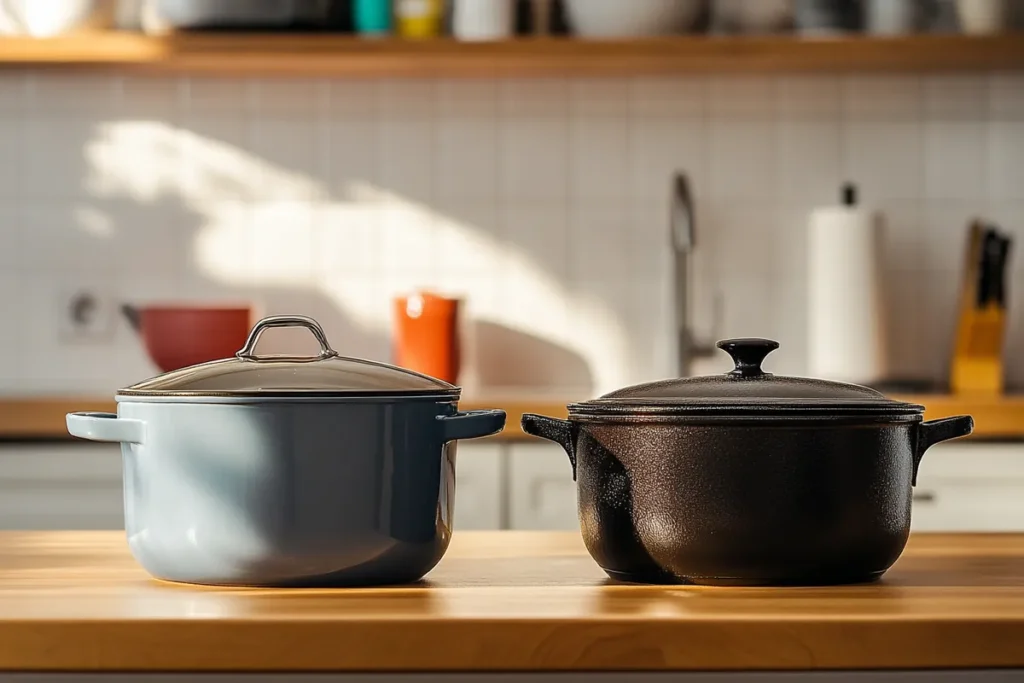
(177, 337)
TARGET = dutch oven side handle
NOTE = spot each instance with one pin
(931, 433)
(106, 427)
(553, 429)
(471, 424)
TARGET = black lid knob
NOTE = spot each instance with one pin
(748, 354)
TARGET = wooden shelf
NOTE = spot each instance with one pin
(231, 53)
(998, 417)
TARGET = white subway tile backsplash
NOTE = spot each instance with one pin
(885, 160)
(352, 99)
(534, 158)
(745, 239)
(406, 152)
(15, 94)
(1006, 96)
(799, 98)
(1009, 216)
(282, 242)
(147, 243)
(789, 241)
(289, 98)
(742, 158)
(674, 98)
(955, 98)
(598, 150)
(907, 342)
(216, 162)
(12, 158)
(537, 233)
(1006, 160)
(788, 325)
(749, 310)
(411, 99)
(944, 234)
(353, 160)
(10, 237)
(154, 99)
(598, 97)
(903, 224)
(650, 237)
(408, 241)
(213, 96)
(660, 147)
(469, 239)
(534, 97)
(347, 239)
(92, 95)
(808, 162)
(937, 319)
(743, 97)
(220, 247)
(954, 160)
(60, 237)
(329, 197)
(54, 159)
(882, 98)
(467, 159)
(463, 99)
(599, 241)
(290, 159)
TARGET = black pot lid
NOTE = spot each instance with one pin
(327, 374)
(747, 389)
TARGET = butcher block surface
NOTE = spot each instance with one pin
(506, 601)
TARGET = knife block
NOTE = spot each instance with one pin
(977, 366)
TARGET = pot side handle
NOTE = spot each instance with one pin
(471, 424)
(552, 429)
(106, 427)
(934, 431)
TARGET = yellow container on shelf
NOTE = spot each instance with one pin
(418, 18)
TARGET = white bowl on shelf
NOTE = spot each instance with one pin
(631, 18)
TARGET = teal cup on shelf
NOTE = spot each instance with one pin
(372, 17)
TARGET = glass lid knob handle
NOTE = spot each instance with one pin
(748, 354)
(248, 352)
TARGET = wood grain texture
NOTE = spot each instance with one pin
(344, 55)
(995, 417)
(507, 601)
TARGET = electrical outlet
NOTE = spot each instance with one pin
(86, 315)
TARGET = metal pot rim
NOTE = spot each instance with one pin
(285, 396)
(740, 408)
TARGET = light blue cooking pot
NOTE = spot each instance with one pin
(271, 470)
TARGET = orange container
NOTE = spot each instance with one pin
(427, 335)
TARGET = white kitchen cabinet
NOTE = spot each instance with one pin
(479, 493)
(542, 493)
(62, 486)
(970, 486)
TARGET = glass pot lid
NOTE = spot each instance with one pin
(326, 374)
(745, 389)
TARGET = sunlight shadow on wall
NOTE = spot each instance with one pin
(389, 243)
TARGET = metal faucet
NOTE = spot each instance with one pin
(683, 239)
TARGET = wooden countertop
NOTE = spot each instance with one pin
(995, 417)
(506, 601)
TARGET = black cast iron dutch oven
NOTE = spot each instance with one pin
(745, 478)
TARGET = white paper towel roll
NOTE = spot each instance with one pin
(846, 315)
